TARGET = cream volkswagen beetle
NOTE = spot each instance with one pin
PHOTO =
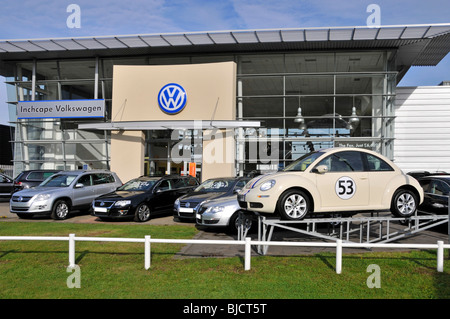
(334, 180)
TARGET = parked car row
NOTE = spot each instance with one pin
(143, 197)
(334, 180)
(102, 193)
(26, 179)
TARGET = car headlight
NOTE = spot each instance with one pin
(215, 209)
(177, 203)
(122, 203)
(267, 185)
(42, 197)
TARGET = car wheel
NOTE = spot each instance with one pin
(60, 210)
(235, 222)
(293, 205)
(142, 213)
(404, 203)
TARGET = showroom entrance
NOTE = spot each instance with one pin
(173, 152)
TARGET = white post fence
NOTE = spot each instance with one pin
(247, 243)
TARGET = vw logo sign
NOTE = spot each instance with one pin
(172, 98)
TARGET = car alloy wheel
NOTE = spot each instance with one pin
(60, 210)
(294, 205)
(239, 220)
(404, 204)
(142, 213)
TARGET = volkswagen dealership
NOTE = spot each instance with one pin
(225, 103)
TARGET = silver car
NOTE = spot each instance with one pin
(63, 192)
(222, 212)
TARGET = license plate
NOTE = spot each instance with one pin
(186, 210)
(101, 209)
(198, 216)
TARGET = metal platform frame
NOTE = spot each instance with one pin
(372, 227)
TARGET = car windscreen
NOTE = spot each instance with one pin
(299, 165)
(138, 185)
(58, 180)
(215, 185)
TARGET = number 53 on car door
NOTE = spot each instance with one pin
(345, 187)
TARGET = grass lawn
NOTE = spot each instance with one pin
(38, 269)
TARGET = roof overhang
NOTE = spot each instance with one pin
(430, 43)
(168, 125)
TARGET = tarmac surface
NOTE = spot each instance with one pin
(430, 236)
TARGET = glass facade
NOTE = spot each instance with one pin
(310, 101)
(304, 100)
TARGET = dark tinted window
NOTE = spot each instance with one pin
(102, 178)
(37, 176)
(439, 188)
(85, 180)
(165, 185)
(377, 164)
(192, 181)
(347, 161)
(241, 183)
(179, 183)
(425, 183)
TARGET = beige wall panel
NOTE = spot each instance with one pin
(218, 154)
(135, 98)
(127, 154)
(136, 88)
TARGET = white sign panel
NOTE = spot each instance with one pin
(60, 109)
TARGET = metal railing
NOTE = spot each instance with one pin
(247, 243)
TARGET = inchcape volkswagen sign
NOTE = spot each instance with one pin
(60, 109)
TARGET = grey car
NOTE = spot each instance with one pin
(63, 192)
(222, 213)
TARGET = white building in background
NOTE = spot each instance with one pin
(422, 128)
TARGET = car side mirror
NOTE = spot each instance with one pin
(79, 185)
(237, 190)
(321, 169)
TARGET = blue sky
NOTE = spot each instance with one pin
(31, 19)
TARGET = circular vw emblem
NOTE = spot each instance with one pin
(172, 98)
(188, 204)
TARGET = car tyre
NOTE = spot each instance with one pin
(404, 203)
(293, 205)
(142, 213)
(61, 210)
(235, 222)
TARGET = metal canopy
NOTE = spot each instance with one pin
(434, 38)
(167, 125)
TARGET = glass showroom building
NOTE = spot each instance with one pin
(292, 91)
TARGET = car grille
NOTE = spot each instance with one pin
(188, 204)
(19, 209)
(106, 203)
(21, 199)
